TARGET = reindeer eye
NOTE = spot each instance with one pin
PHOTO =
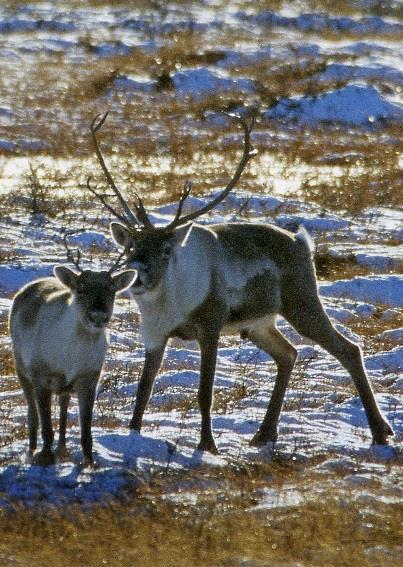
(130, 248)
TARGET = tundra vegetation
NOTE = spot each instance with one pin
(166, 71)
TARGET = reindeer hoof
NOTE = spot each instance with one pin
(381, 436)
(89, 463)
(209, 446)
(260, 439)
(44, 458)
(134, 425)
(62, 454)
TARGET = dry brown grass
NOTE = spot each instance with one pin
(40, 193)
(6, 357)
(226, 399)
(370, 330)
(145, 129)
(341, 7)
(367, 169)
(6, 363)
(338, 8)
(5, 255)
(378, 185)
(223, 528)
(224, 402)
(363, 179)
(330, 267)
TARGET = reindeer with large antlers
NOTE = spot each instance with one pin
(196, 282)
(58, 331)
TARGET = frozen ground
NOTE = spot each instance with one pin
(323, 421)
(358, 59)
(323, 417)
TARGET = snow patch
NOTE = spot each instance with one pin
(201, 81)
(391, 361)
(386, 289)
(392, 335)
(11, 279)
(357, 105)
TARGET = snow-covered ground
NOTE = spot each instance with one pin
(323, 415)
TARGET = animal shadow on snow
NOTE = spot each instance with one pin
(135, 450)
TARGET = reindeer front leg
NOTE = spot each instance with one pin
(152, 364)
(61, 450)
(43, 396)
(86, 390)
(208, 349)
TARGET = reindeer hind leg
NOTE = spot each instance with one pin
(269, 339)
(33, 419)
(307, 315)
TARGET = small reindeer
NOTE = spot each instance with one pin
(59, 337)
(195, 282)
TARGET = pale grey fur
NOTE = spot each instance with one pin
(198, 282)
(59, 337)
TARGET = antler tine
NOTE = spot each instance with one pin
(118, 262)
(94, 127)
(142, 213)
(187, 188)
(104, 202)
(248, 154)
(70, 255)
(130, 218)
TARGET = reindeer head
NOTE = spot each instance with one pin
(93, 291)
(148, 248)
(149, 252)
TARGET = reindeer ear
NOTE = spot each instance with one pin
(120, 234)
(123, 280)
(66, 276)
(182, 234)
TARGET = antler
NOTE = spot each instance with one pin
(185, 194)
(129, 218)
(118, 263)
(248, 154)
(102, 198)
(140, 216)
(74, 259)
(74, 256)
